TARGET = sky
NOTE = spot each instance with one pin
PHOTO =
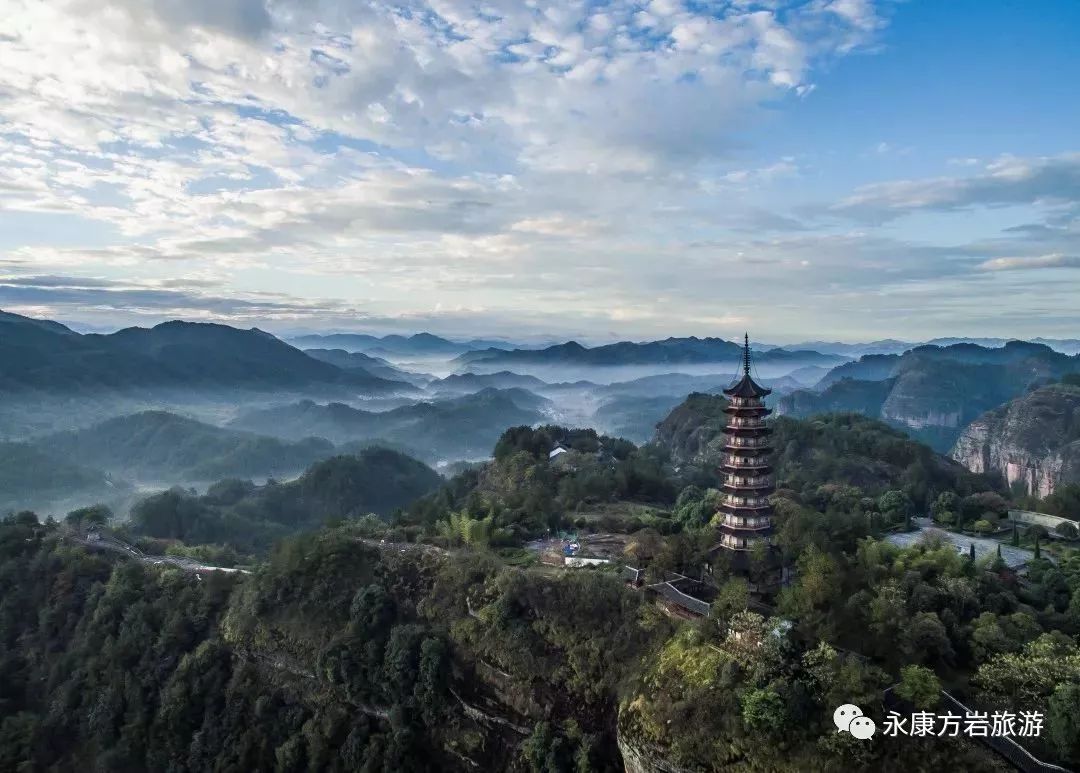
(825, 169)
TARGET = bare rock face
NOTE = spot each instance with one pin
(1033, 440)
(644, 759)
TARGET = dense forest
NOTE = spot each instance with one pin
(393, 622)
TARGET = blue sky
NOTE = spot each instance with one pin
(841, 169)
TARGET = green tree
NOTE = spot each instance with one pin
(1026, 678)
(95, 514)
(896, 505)
(929, 639)
(945, 507)
(1067, 530)
(764, 711)
(1063, 721)
(919, 686)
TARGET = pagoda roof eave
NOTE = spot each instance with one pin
(747, 387)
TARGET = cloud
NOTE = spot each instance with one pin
(560, 164)
(1003, 182)
(1025, 263)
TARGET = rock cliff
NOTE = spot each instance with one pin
(1033, 440)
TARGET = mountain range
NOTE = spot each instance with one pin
(670, 351)
(161, 446)
(933, 392)
(400, 347)
(365, 363)
(893, 346)
(47, 358)
(458, 428)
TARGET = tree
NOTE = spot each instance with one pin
(1038, 553)
(919, 686)
(1063, 721)
(895, 504)
(976, 505)
(1037, 531)
(95, 514)
(945, 507)
(928, 637)
(1067, 530)
(764, 711)
(1026, 678)
(731, 598)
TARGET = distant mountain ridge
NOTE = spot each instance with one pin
(458, 428)
(366, 363)
(691, 350)
(932, 392)
(45, 357)
(157, 445)
(893, 346)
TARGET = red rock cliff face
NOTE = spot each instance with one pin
(1034, 440)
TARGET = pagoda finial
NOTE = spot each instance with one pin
(746, 354)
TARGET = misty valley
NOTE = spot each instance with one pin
(228, 551)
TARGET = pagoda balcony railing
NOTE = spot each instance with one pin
(737, 501)
(747, 402)
(733, 542)
(748, 442)
(744, 461)
(741, 522)
(745, 421)
(753, 481)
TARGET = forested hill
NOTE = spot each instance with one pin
(45, 358)
(844, 448)
(161, 446)
(337, 656)
(456, 428)
(932, 392)
(33, 479)
(435, 642)
(249, 518)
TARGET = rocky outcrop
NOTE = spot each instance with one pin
(1033, 440)
(691, 426)
(642, 759)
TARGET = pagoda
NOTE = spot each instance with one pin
(747, 514)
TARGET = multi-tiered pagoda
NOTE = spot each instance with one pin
(747, 514)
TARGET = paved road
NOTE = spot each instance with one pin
(1012, 556)
(104, 541)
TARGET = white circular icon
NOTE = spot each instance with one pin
(842, 716)
(862, 727)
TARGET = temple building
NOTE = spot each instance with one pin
(745, 510)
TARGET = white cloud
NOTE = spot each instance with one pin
(1005, 181)
(1031, 262)
(508, 158)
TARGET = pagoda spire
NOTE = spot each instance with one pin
(746, 354)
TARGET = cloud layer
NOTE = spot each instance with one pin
(566, 165)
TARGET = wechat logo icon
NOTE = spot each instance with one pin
(850, 719)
